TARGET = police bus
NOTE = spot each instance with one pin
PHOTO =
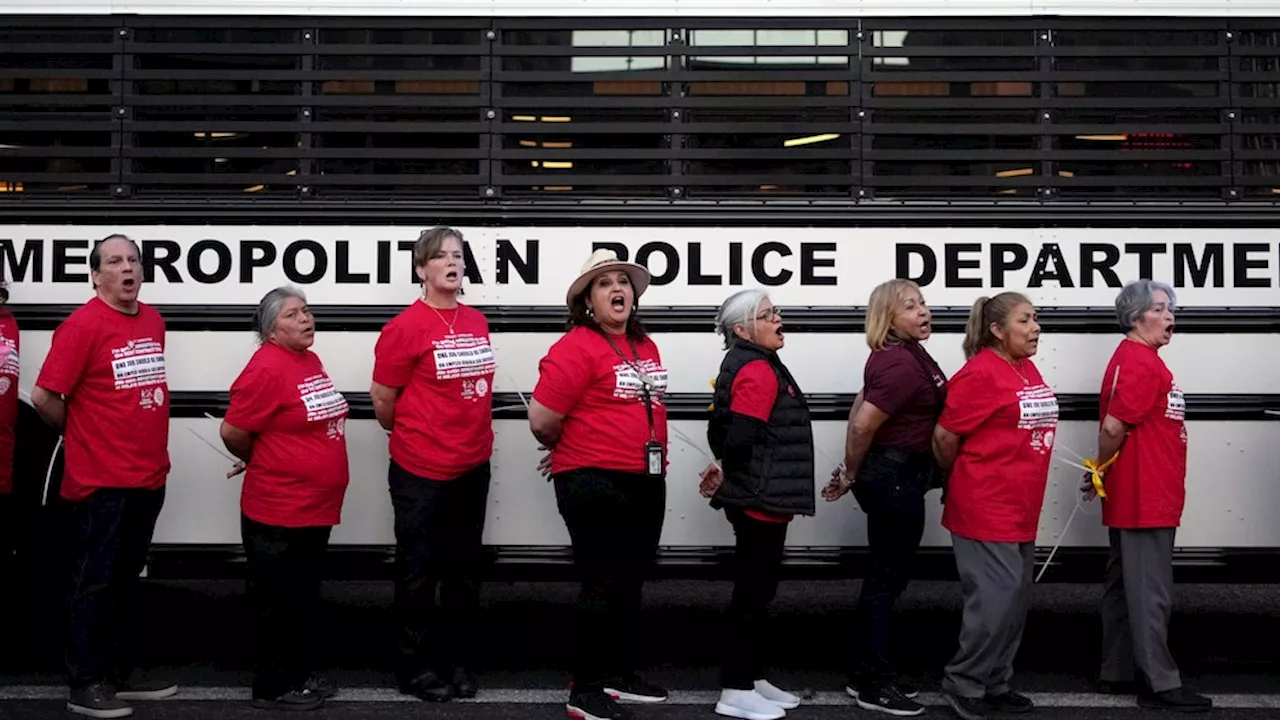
(1059, 147)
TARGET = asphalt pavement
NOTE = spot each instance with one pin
(199, 635)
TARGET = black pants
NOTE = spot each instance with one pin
(614, 521)
(113, 529)
(285, 567)
(8, 535)
(890, 489)
(757, 564)
(439, 526)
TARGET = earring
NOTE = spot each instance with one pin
(591, 312)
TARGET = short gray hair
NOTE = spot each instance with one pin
(1136, 297)
(264, 318)
(739, 309)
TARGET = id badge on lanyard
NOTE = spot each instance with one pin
(653, 459)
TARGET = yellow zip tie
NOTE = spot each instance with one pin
(1096, 471)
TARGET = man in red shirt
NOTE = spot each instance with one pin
(103, 385)
(1144, 419)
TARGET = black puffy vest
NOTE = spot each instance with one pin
(779, 477)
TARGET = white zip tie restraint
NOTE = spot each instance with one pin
(1062, 535)
(53, 457)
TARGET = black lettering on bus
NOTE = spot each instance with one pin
(407, 246)
(15, 267)
(526, 267)
(1184, 262)
(810, 262)
(953, 263)
(255, 254)
(62, 261)
(672, 257)
(161, 255)
(384, 262)
(1243, 264)
(1050, 255)
(735, 263)
(342, 266)
(1001, 262)
(1146, 253)
(319, 261)
(195, 264)
(1091, 265)
(470, 268)
(758, 257)
(928, 263)
(696, 276)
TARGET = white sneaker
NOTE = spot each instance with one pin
(748, 705)
(781, 698)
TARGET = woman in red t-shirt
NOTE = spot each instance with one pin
(287, 423)
(995, 437)
(9, 344)
(433, 391)
(598, 408)
(1144, 419)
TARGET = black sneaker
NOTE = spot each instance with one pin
(144, 690)
(428, 686)
(1010, 702)
(595, 706)
(889, 701)
(1177, 700)
(464, 683)
(635, 690)
(321, 686)
(905, 688)
(295, 700)
(97, 701)
(968, 708)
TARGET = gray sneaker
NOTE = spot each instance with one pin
(98, 701)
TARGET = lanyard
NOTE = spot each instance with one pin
(644, 380)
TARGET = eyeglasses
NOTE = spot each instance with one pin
(774, 313)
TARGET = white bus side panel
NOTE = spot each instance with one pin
(1231, 492)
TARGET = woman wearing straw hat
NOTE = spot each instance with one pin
(598, 408)
(762, 434)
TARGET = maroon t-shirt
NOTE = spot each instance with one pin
(895, 381)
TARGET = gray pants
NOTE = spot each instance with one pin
(996, 580)
(1136, 604)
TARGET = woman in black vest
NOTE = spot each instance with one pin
(889, 465)
(761, 435)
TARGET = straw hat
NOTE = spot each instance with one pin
(602, 261)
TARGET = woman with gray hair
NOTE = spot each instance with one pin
(287, 423)
(761, 434)
(1143, 419)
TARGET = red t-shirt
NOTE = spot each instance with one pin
(755, 388)
(444, 415)
(298, 473)
(598, 392)
(110, 367)
(9, 342)
(1146, 486)
(895, 381)
(1006, 424)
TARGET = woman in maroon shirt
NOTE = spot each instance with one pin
(889, 465)
(9, 343)
(287, 423)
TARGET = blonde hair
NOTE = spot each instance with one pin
(883, 306)
(985, 311)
